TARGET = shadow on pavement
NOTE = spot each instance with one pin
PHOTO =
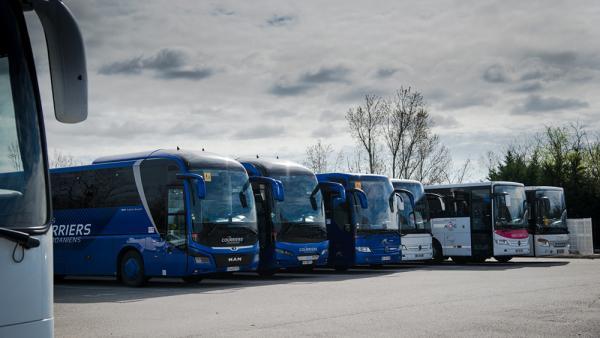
(106, 289)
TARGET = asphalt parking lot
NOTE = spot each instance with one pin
(525, 297)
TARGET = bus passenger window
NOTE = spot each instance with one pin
(463, 207)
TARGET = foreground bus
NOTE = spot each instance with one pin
(415, 226)
(291, 223)
(156, 214)
(480, 220)
(362, 228)
(26, 293)
(548, 232)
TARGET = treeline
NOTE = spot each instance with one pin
(565, 156)
(394, 137)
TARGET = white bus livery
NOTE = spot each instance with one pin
(478, 221)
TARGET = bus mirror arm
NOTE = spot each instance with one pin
(362, 197)
(276, 186)
(200, 183)
(23, 239)
(440, 199)
(335, 189)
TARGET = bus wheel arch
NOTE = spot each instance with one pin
(130, 267)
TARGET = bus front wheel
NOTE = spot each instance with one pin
(132, 269)
(192, 279)
(503, 259)
(438, 254)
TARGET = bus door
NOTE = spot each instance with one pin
(262, 198)
(481, 223)
(172, 254)
(340, 229)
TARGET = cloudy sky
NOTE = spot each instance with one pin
(271, 77)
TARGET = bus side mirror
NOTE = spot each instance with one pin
(199, 182)
(335, 189)
(437, 197)
(276, 186)
(362, 197)
(66, 55)
(410, 195)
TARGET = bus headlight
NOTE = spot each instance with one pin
(325, 252)
(364, 249)
(543, 242)
(284, 252)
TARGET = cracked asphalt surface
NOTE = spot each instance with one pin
(525, 297)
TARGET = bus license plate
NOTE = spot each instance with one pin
(233, 268)
(419, 255)
(307, 262)
(518, 250)
(385, 258)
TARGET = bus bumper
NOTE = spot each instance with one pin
(294, 255)
(417, 255)
(371, 258)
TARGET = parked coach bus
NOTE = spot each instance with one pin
(548, 232)
(363, 229)
(161, 213)
(291, 223)
(26, 293)
(480, 220)
(415, 226)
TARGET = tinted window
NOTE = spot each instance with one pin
(102, 188)
(157, 176)
(457, 203)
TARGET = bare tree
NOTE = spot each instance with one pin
(433, 161)
(405, 127)
(365, 124)
(60, 160)
(317, 156)
(458, 175)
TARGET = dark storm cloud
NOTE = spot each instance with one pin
(528, 87)
(495, 74)
(258, 132)
(559, 58)
(539, 104)
(533, 75)
(129, 66)
(383, 73)
(192, 74)
(280, 20)
(326, 75)
(289, 90)
(167, 63)
(165, 59)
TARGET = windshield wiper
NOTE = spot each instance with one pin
(23, 239)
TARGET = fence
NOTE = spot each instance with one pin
(580, 236)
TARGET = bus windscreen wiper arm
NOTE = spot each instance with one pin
(23, 239)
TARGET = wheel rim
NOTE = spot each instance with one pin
(131, 268)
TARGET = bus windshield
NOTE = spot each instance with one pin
(510, 204)
(23, 194)
(229, 201)
(295, 215)
(555, 213)
(378, 216)
(421, 210)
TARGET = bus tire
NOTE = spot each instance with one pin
(340, 268)
(192, 279)
(503, 259)
(59, 279)
(438, 253)
(132, 269)
(267, 272)
(460, 259)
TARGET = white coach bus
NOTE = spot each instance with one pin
(26, 292)
(478, 221)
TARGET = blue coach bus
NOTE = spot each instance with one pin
(363, 229)
(291, 217)
(161, 213)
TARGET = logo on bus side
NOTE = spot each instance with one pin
(70, 233)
